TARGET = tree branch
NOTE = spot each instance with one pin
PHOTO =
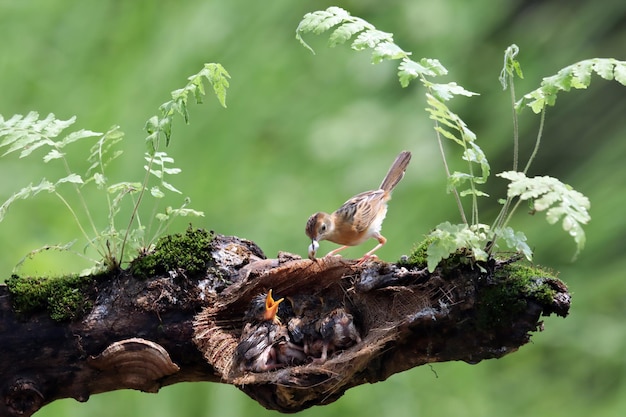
(144, 332)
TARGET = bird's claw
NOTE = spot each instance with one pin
(366, 258)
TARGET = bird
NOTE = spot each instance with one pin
(337, 331)
(264, 344)
(358, 219)
(322, 326)
(306, 310)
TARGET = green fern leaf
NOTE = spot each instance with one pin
(156, 192)
(581, 75)
(448, 239)
(370, 38)
(179, 212)
(511, 66)
(170, 187)
(72, 178)
(322, 20)
(53, 154)
(515, 240)
(29, 191)
(576, 76)
(559, 201)
(76, 136)
(387, 50)
(218, 77)
(447, 91)
(124, 188)
(620, 72)
(604, 68)
(102, 153)
(27, 133)
(348, 30)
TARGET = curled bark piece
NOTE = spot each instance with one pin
(135, 363)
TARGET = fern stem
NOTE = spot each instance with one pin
(538, 141)
(108, 198)
(445, 165)
(144, 186)
(498, 223)
(155, 147)
(513, 210)
(80, 226)
(82, 200)
(505, 215)
(515, 124)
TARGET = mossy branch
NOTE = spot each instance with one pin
(176, 314)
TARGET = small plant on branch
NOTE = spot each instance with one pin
(26, 134)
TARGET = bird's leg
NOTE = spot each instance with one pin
(381, 241)
(334, 251)
(323, 356)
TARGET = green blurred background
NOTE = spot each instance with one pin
(304, 132)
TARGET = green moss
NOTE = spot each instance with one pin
(189, 251)
(514, 285)
(418, 257)
(64, 297)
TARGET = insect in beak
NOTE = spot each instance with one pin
(313, 247)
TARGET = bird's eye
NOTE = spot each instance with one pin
(322, 228)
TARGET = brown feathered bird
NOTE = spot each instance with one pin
(358, 219)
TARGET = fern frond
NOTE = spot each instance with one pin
(29, 133)
(156, 126)
(29, 191)
(558, 200)
(577, 76)
(102, 153)
(160, 160)
(447, 239)
(451, 126)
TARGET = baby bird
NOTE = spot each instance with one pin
(301, 325)
(321, 326)
(358, 219)
(264, 344)
(338, 332)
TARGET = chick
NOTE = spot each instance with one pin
(337, 331)
(258, 349)
(306, 310)
(255, 351)
(321, 326)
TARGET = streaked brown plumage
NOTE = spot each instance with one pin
(360, 218)
(264, 344)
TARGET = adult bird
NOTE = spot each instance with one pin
(358, 219)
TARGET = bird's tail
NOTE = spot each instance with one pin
(396, 172)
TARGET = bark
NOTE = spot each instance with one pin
(147, 332)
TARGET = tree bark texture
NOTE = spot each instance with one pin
(145, 332)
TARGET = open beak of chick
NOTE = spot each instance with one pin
(271, 307)
(313, 247)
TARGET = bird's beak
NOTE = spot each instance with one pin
(313, 249)
(271, 306)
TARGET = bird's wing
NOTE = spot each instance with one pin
(254, 342)
(361, 210)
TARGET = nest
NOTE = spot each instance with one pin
(405, 317)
